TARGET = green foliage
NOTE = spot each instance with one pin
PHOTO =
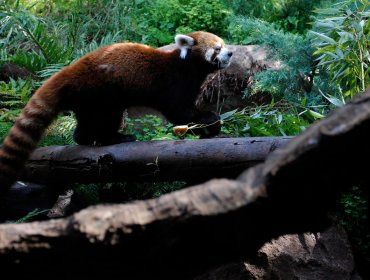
(31, 216)
(292, 50)
(46, 42)
(93, 19)
(29, 60)
(353, 216)
(88, 19)
(342, 41)
(13, 96)
(250, 9)
(164, 18)
(290, 15)
(105, 40)
(161, 188)
(263, 121)
(41, 44)
(151, 127)
(86, 194)
(50, 70)
(153, 22)
(15, 93)
(60, 132)
(44, 46)
(294, 54)
(4, 129)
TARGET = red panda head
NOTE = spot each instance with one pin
(207, 45)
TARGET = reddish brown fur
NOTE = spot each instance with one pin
(100, 85)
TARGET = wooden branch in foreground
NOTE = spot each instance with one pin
(191, 160)
(185, 233)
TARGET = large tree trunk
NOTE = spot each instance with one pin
(182, 234)
(189, 160)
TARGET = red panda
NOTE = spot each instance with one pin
(102, 84)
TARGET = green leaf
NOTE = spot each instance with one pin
(356, 25)
(304, 101)
(328, 11)
(339, 52)
(280, 118)
(315, 114)
(333, 100)
(332, 54)
(324, 37)
(329, 24)
(323, 62)
(340, 72)
(227, 115)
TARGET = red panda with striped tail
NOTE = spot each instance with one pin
(102, 84)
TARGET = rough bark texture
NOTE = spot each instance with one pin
(190, 160)
(324, 255)
(185, 233)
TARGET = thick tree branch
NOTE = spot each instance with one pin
(190, 160)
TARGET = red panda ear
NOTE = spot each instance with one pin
(184, 42)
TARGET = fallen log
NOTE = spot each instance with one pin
(188, 160)
(185, 233)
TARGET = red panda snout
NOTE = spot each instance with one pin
(220, 57)
(224, 58)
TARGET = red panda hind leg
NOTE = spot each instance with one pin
(100, 129)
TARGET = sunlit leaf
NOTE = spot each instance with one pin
(333, 100)
(325, 37)
(315, 114)
(327, 11)
(227, 115)
(339, 52)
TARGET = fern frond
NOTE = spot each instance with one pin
(4, 57)
(93, 45)
(30, 60)
(50, 70)
(15, 93)
(60, 132)
(47, 42)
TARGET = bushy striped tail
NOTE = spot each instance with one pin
(25, 134)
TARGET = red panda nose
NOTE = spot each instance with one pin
(230, 53)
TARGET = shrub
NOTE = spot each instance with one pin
(290, 15)
(342, 41)
(353, 215)
(294, 53)
(168, 17)
(269, 120)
